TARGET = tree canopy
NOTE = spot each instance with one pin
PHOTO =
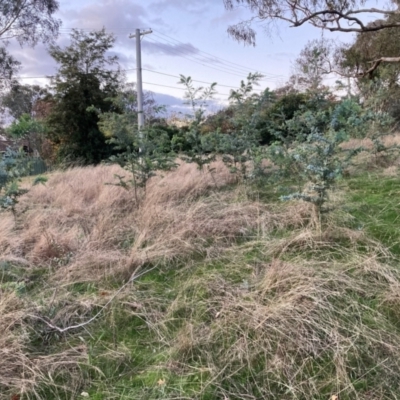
(29, 22)
(83, 86)
(333, 15)
(21, 99)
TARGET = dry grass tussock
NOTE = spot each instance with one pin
(387, 140)
(89, 230)
(78, 229)
(384, 153)
(21, 370)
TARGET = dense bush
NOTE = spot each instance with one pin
(273, 119)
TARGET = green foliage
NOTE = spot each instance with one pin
(199, 148)
(13, 166)
(222, 120)
(120, 122)
(29, 22)
(272, 125)
(245, 91)
(381, 96)
(321, 164)
(311, 65)
(236, 147)
(380, 87)
(25, 126)
(142, 158)
(197, 98)
(85, 82)
(357, 56)
(240, 149)
(317, 150)
(9, 66)
(21, 99)
(140, 153)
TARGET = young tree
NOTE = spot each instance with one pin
(29, 22)
(197, 98)
(86, 81)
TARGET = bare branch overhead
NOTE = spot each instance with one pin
(332, 15)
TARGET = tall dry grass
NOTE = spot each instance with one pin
(79, 229)
(89, 229)
(302, 322)
(22, 368)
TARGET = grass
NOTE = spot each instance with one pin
(373, 202)
(239, 298)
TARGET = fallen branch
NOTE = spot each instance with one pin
(68, 328)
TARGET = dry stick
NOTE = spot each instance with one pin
(362, 376)
(68, 328)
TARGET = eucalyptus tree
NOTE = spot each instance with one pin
(28, 22)
(332, 15)
(22, 99)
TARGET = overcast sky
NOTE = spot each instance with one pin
(189, 37)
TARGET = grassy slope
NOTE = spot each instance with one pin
(239, 298)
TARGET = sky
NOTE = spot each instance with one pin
(189, 37)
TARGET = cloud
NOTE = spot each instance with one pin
(166, 99)
(118, 16)
(35, 62)
(192, 6)
(228, 18)
(179, 49)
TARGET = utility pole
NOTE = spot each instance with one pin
(138, 34)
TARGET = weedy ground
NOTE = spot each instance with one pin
(204, 290)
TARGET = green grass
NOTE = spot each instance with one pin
(374, 201)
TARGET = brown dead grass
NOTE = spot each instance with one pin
(387, 140)
(21, 371)
(78, 223)
(368, 158)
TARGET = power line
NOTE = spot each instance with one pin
(194, 80)
(53, 76)
(201, 59)
(230, 70)
(159, 45)
(134, 69)
(193, 59)
(229, 67)
(241, 67)
(147, 83)
(178, 88)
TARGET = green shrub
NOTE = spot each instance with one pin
(14, 164)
